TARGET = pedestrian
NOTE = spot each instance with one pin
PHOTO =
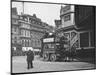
(73, 53)
(30, 58)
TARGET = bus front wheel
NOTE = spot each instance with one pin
(46, 57)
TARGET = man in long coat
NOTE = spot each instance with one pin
(30, 58)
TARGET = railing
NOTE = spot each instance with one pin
(75, 38)
(74, 41)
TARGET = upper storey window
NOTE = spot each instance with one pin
(25, 25)
(66, 18)
(21, 17)
(66, 9)
(24, 18)
(33, 21)
(14, 21)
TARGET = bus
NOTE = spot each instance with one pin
(54, 49)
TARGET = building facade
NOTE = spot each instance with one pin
(15, 29)
(86, 25)
(32, 29)
(67, 15)
(25, 36)
(78, 26)
(27, 30)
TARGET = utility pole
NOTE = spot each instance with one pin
(23, 7)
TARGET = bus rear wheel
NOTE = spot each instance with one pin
(53, 57)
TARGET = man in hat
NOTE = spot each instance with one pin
(30, 58)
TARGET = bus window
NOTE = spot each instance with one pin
(49, 46)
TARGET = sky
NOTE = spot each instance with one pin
(46, 12)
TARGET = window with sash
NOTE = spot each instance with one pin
(84, 39)
(66, 18)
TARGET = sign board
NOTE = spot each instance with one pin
(27, 48)
(37, 50)
(48, 40)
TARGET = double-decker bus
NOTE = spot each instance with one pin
(53, 50)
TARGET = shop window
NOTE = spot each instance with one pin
(84, 39)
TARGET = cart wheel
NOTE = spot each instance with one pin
(53, 57)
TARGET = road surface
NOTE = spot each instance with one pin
(19, 65)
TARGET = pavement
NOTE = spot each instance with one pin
(19, 65)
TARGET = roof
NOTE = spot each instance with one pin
(30, 16)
